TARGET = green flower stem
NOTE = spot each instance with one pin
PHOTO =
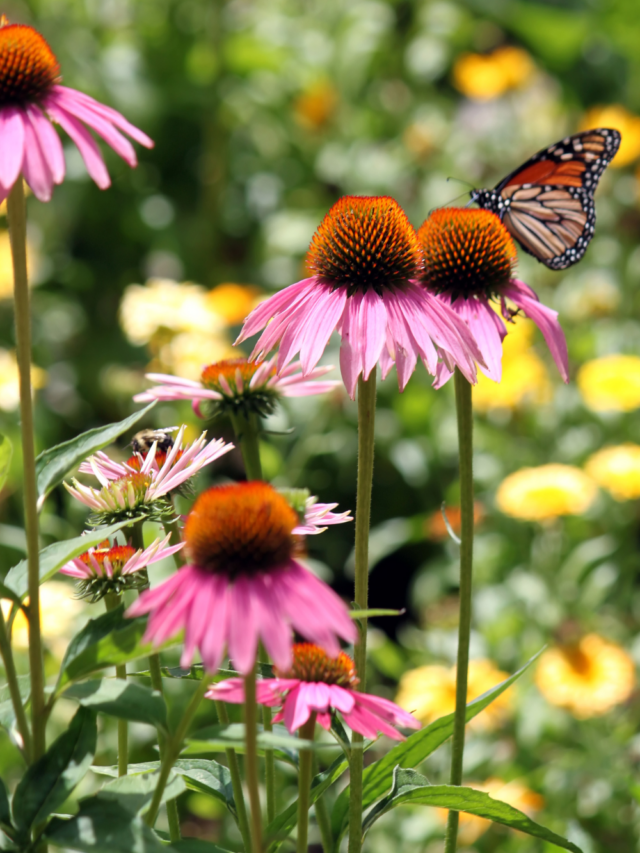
(306, 732)
(322, 818)
(174, 530)
(366, 425)
(465, 444)
(17, 216)
(247, 430)
(112, 600)
(269, 756)
(251, 766)
(14, 690)
(236, 781)
(174, 745)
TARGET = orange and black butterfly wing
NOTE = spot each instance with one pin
(547, 203)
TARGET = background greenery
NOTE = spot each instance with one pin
(264, 112)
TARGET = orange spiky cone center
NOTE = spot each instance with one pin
(311, 663)
(28, 66)
(242, 528)
(230, 371)
(365, 243)
(466, 252)
(118, 556)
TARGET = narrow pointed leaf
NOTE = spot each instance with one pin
(53, 465)
(123, 699)
(49, 781)
(134, 793)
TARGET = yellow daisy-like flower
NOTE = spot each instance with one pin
(515, 793)
(487, 76)
(233, 302)
(588, 678)
(619, 118)
(315, 107)
(611, 383)
(10, 383)
(539, 494)
(525, 380)
(60, 614)
(617, 469)
(429, 692)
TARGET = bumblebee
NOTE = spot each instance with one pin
(142, 441)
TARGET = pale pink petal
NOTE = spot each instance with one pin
(296, 708)
(35, 166)
(268, 309)
(49, 142)
(231, 690)
(12, 136)
(243, 628)
(85, 143)
(545, 319)
(321, 324)
(488, 330)
(108, 113)
(217, 632)
(274, 631)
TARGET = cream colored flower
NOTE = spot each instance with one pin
(587, 678)
(60, 616)
(486, 76)
(429, 692)
(611, 383)
(619, 118)
(188, 353)
(9, 380)
(539, 494)
(617, 469)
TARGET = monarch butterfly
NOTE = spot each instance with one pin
(547, 203)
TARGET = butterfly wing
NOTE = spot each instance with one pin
(547, 203)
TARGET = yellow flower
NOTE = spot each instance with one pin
(486, 76)
(525, 380)
(619, 118)
(315, 107)
(162, 304)
(611, 383)
(617, 469)
(429, 692)
(515, 793)
(538, 494)
(587, 678)
(6, 265)
(233, 302)
(9, 381)
(60, 614)
(188, 353)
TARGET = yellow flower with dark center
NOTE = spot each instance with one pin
(429, 692)
(619, 118)
(487, 76)
(617, 469)
(546, 492)
(587, 678)
(611, 383)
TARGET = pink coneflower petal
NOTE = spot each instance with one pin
(214, 640)
(243, 632)
(274, 630)
(328, 309)
(35, 166)
(50, 144)
(488, 330)
(84, 142)
(296, 708)
(108, 113)
(341, 699)
(368, 725)
(261, 315)
(545, 319)
(12, 137)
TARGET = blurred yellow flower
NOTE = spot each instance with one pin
(486, 76)
(619, 118)
(233, 302)
(429, 692)
(418, 139)
(611, 383)
(163, 304)
(6, 265)
(9, 381)
(538, 494)
(315, 107)
(617, 469)
(587, 678)
(60, 615)
(525, 380)
(515, 793)
(188, 353)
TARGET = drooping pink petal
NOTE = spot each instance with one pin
(273, 629)
(106, 112)
(270, 308)
(213, 644)
(296, 707)
(50, 144)
(362, 720)
(327, 312)
(487, 329)
(230, 690)
(388, 710)
(342, 699)
(85, 143)
(35, 166)
(12, 137)
(243, 628)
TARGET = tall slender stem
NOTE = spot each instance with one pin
(465, 444)
(236, 782)
(251, 742)
(14, 690)
(247, 431)
(112, 601)
(305, 766)
(174, 745)
(322, 818)
(366, 425)
(17, 215)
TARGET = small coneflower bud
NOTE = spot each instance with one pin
(365, 243)
(240, 528)
(243, 386)
(466, 253)
(311, 663)
(28, 67)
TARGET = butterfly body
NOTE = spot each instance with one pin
(547, 203)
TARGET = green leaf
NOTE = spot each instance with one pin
(412, 788)
(6, 452)
(134, 793)
(123, 699)
(378, 777)
(221, 738)
(47, 783)
(7, 714)
(378, 611)
(106, 641)
(103, 826)
(53, 557)
(279, 829)
(5, 811)
(54, 464)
